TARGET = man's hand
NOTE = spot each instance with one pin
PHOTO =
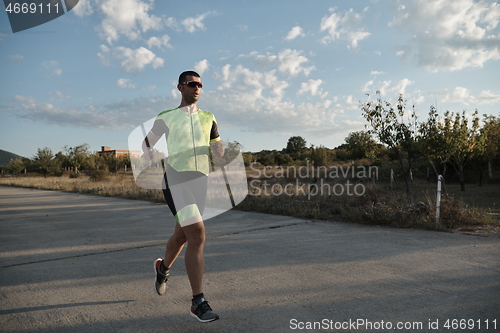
(217, 148)
(147, 146)
(149, 154)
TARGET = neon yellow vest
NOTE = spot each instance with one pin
(188, 139)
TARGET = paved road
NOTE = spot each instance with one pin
(76, 263)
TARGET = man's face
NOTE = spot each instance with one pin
(190, 94)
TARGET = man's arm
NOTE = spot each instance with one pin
(216, 144)
(159, 128)
(217, 148)
(147, 145)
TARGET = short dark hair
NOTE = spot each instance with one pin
(182, 77)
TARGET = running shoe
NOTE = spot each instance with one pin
(161, 278)
(202, 311)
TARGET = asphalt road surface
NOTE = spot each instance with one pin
(78, 263)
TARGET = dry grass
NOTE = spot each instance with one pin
(378, 205)
(119, 185)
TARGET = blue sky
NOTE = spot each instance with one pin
(271, 69)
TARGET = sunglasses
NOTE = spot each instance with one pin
(193, 84)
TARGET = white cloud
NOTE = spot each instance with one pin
(344, 26)
(52, 66)
(17, 58)
(250, 87)
(265, 61)
(127, 17)
(487, 97)
(367, 85)
(125, 84)
(291, 61)
(386, 88)
(104, 55)
(61, 95)
(381, 86)
(25, 102)
(172, 23)
(133, 61)
(351, 104)
(50, 114)
(286, 61)
(251, 81)
(84, 8)
(400, 87)
(201, 66)
(312, 86)
(457, 95)
(159, 42)
(247, 99)
(110, 116)
(377, 73)
(136, 60)
(463, 96)
(257, 103)
(192, 24)
(448, 35)
(294, 33)
(175, 94)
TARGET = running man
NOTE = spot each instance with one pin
(191, 134)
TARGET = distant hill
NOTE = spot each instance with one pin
(6, 156)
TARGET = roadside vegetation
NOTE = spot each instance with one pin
(395, 164)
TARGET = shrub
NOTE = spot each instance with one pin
(73, 174)
(98, 175)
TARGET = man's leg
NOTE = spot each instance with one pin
(195, 263)
(174, 246)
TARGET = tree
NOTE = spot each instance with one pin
(491, 134)
(399, 135)
(296, 146)
(248, 158)
(28, 164)
(465, 142)
(436, 145)
(231, 151)
(341, 153)
(319, 155)
(266, 157)
(283, 159)
(361, 145)
(61, 161)
(15, 166)
(108, 161)
(79, 156)
(44, 161)
(124, 161)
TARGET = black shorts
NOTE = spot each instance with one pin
(185, 193)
